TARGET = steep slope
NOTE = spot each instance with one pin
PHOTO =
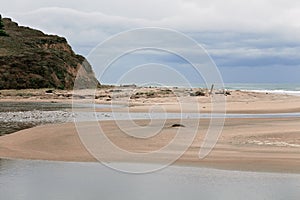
(31, 59)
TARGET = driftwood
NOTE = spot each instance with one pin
(225, 92)
(198, 93)
(211, 89)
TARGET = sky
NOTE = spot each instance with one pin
(254, 41)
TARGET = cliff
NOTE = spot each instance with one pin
(31, 59)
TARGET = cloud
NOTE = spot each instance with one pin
(237, 33)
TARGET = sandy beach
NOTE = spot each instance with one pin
(266, 144)
(142, 99)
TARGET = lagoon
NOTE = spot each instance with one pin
(48, 180)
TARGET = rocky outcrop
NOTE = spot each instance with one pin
(31, 59)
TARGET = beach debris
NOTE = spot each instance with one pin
(129, 86)
(49, 91)
(146, 94)
(101, 96)
(211, 90)
(198, 93)
(177, 125)
(115, 90)
(67, 95)
(134, 97)
(225, 92)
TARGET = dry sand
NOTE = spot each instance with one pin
(237, 102)
(245, 144)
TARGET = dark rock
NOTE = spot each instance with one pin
(49, 91)
(177, 125)
(227, 93)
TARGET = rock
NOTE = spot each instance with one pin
(227, 93)
(177, 125)
(49, 91)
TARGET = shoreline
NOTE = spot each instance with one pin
(224, 167)
(179, 164)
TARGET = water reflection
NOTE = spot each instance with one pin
(35, 180)
(1, 164)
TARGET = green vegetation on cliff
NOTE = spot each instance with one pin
(2, 31)
(32, 59)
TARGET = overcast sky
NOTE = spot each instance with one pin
(250, 41)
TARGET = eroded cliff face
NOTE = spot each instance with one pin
(31, 59)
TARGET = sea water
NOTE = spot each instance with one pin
(280, 88)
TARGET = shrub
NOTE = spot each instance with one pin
(1, 23)
(2, 32)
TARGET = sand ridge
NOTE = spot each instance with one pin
(234, 150)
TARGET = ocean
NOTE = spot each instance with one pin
(278, 88)
(282, 88)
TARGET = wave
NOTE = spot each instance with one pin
(287, 89)
(285, 92)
